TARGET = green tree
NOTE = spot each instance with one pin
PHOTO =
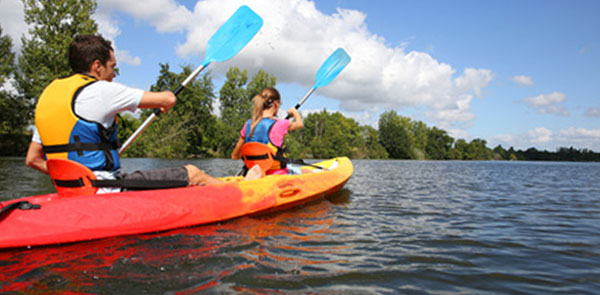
(13, 139)
(329, 135)
(419, 132)
(235, 97)
(500, 153)
(439, 144)
(7, 58)
(344, 136)
(7, 68)
(186, 129)
(459, 152)
(127, 125)
(44, 55)
(474, 150)
(512, 154)
(372, 147)
(236, 106)
(478, 150)
(194, 106)
(394, 135)
(259, 81)
(295, 147)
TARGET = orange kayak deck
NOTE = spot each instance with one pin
(79, 218)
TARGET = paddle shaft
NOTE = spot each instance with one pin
(332, 66)
(157, 112)
(226, 42)
(302, 100)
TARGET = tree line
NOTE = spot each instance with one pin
(192, 127)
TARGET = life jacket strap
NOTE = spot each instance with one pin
(256, 157)
(139, 184)
(79, 147)
(130, 184)
(71, 183)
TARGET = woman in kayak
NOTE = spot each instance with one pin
(261, 138)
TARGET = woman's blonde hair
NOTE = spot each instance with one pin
(262, 101)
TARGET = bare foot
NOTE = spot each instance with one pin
(199, 177)
(254, 173)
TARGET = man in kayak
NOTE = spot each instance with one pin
(75, 118)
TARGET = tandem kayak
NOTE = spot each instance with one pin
(53, 219)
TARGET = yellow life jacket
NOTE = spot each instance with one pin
(65, 135)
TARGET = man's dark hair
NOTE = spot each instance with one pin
(85, 49)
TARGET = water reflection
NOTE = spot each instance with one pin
(398, 227)
(264, 248)
(17, 180)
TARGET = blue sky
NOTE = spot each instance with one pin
(517, 73)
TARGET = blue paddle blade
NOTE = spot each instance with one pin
(233, 35)
(334, 64)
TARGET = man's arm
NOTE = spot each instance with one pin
(35, 157)
(152, 100)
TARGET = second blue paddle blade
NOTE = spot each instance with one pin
(233, 35)
(334, 64)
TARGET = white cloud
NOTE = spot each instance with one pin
(540, 135)
(165, 15)
(548, 103)
(458, 133)
(216, 106)
(581, 134)
(593, 112)
(363, 118)
(546, 99)
(545, 139)
(9, 86)
(123, 56)
(506, 140)
(541, 138)
(580, 138)
(296, 38)
(12, 19)
(523, 80)
(474, 79)
(13, 24)
(109, 29)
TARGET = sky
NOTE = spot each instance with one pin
(520, 73)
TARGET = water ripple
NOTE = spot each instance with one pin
(398, 227)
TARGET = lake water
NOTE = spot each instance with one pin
(398, 227)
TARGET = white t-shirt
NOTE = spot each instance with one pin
(102, 101)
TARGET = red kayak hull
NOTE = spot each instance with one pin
(79, 218)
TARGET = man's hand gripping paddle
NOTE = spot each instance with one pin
(231, 37)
